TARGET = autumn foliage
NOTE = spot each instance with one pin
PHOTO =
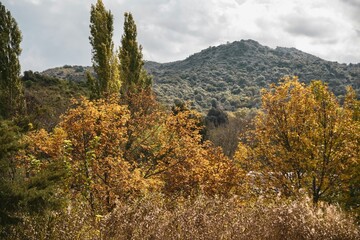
(113, 154)
(304, 140)
(129, 159)
(122, 166)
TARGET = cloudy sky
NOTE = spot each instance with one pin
(55, 32)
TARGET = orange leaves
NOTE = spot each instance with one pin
(42, 148)
(99, 125)
(97, 131)
(194, 166)
(113, 153)
(90, 138)
(302, 139)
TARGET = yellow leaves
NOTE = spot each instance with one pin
(113, 153)
(303, 138)
(51, 145)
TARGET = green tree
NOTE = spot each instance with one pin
(11, 99)
(104, 59)
(132, 73)
(9, 195)
(23, 193)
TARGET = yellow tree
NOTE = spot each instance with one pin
(90, 139)
(165, 153)
(351, 197)
(303, 139)
(176, 155)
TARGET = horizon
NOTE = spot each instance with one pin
(145, 60)
(55, 33)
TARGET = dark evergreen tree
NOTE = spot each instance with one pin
(104, 59)
(10, 196)
(216, 116)
(11, 100)
(23, 193)
(132, 73)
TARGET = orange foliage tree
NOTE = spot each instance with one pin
(112, 153)
(168, 147)
(90, 139)
(303, 139)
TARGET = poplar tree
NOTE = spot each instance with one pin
(104, 59)
(10, 82)
(132, 73)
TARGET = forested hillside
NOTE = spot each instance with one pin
(232, 74)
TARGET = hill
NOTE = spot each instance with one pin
(232, 74)
(48, 97)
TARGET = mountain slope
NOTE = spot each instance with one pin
(233, 74)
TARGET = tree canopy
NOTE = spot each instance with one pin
(303, 139)
(104, 59)
(11, 100)
(132, 72)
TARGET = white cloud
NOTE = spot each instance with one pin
(35, 2)
(173, 29)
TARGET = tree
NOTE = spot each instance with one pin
(9, 191)
(132, 73)
(166, 154)
(303, 139)
(104, 59)
(90, 139)
(226, 135)
(10, 83)
(351, 197)
(170, 148)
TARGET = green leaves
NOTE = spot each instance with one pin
(105, 62)
(10, 84)
(132, 73)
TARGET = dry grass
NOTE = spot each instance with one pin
(218, 218)
(156, 217)
(76, 222)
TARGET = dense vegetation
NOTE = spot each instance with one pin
(10, 84)
(233, 75)
(103, 159)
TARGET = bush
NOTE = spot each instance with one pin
(75, 222)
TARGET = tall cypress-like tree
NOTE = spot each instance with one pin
(11, 100)
(104, 59)
(132, 73)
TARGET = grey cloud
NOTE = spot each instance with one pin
(56, 32)
(309, 27)
(172, 30)
(354, 3)
(351, 10)
(326, 41)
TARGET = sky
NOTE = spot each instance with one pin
(56, 32)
